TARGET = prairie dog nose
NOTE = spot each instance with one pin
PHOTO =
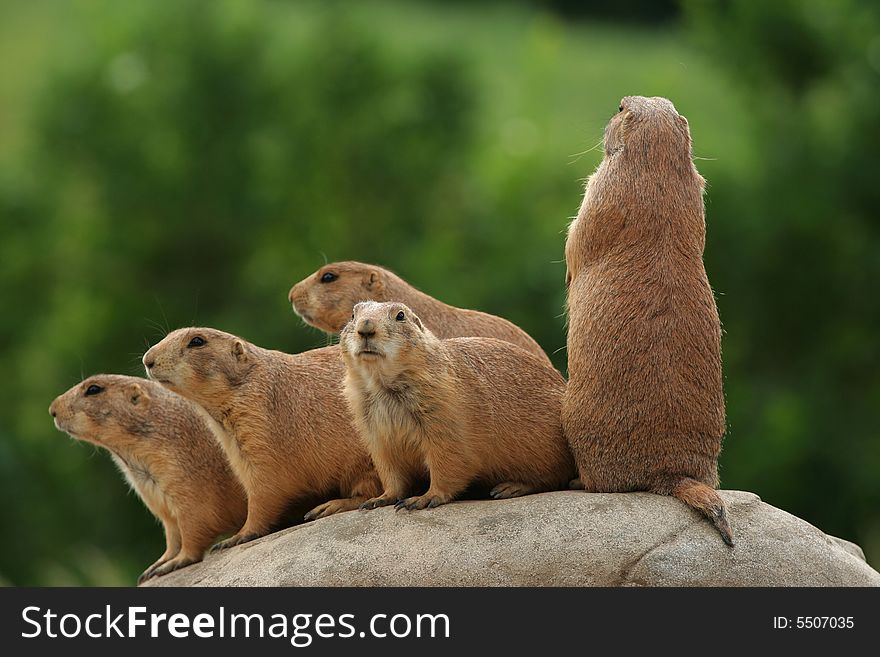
(52, 410)
(366, 328)
(290, 295)
(149, 360)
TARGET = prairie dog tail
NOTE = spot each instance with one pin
(704, 499)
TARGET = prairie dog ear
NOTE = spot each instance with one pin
(684, 127)
(136, 394)
(373, 281)
(417, 322)
(239, 351)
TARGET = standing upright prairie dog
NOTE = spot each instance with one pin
(325, 300)
(167, 449)
(644, 406)
(460, 410)
(289, 433)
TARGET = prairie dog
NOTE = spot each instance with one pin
(169, 454)
(460, 410)
(289, 436)
(644, 406)
(325, 300)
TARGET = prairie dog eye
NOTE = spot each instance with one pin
(197, 341)
(620, 108)
(328, 277)
(93, 390)
(400, 316)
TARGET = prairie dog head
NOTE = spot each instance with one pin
(202, 364)
(383, 337)
(647, 170)
(107, 410)
(650, 133)
(325, 299)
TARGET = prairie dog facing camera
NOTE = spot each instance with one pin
(169, 453)
(289, 433)
(326, 298)
(644, 406)
(461, 411)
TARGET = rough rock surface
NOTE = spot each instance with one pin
(568, 538)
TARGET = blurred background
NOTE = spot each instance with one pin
(182, 162)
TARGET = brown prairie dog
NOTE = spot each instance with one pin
(644, 406)
(325, 300)
(460, 410)
(289, 432)
(168, 452)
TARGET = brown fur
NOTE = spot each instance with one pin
(168, 452)
(328, 306)
(460, 410)
(290, 433)
(644, 407)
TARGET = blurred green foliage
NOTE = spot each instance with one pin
(174, 163)
(795, 249)
(634, 11)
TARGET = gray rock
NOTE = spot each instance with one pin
(849, 546)
(567, 538)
